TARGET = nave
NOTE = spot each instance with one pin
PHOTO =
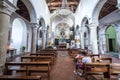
(63, 68)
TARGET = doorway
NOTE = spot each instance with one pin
(111, 44)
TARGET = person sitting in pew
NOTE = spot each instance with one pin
(80, 63)
(78, 56)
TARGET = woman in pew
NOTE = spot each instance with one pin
(78, 56)
(80, 62)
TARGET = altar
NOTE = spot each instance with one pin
(62, 45)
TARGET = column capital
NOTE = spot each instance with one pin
(34, 25)
(94, 24)
(7, 7)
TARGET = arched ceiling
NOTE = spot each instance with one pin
(108, 7)
(54, 4)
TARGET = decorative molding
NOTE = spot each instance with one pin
(7, 7)
(93, 25)
(34, 25)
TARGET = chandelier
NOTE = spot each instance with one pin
(64, 10)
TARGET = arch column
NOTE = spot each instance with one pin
(77, 38)
(34, 37)
(82, 39)
(43, 38)
(93, 38)
(6, 9)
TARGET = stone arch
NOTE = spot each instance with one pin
(30, 8)
(85, 22)
(85, 33)
(111, 39)
(96, 10)
(42, 23)
(19, 34)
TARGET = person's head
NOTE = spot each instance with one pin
(79, 52)
(84, 53)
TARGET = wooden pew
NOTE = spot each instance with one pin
(37, 58)
(94, 55)
(43, 54)
(115, 69)
(13, 77)
(97, 69)
(48, 50)
(73, 52)
(108, 60)
(30, 67)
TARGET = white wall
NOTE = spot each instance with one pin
(85, 9)
(17, 34)
(41, 10)
(11, 1)
(110, 19)
(28, 30)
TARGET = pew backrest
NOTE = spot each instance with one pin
(11, 77)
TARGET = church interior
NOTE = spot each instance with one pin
(59, 40)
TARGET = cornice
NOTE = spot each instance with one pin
(7, 7)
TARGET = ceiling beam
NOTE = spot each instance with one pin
(60, 3)
(112, 2)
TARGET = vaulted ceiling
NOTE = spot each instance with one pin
(107, 8)
(54, 4)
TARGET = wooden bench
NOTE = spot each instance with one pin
(115, 69)
(97, 69)
(108, 60)
(12, 77)
(73, 52)
(94, 55)
(29, 67)
(55, 53)
(37, 58)
(48, 50)
(43, 54)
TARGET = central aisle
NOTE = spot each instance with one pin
(63, 67)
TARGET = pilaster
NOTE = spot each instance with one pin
(44, 31)
(6, 9)
(34, 37)
(93, 37)
(82, 39)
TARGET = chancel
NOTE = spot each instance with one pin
(47, 39)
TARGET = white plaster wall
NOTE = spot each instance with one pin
(41, 10)
(110, 19)
(28, 28)
(11, 1)
(16, 37)
(85, 9)
(118, 1)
